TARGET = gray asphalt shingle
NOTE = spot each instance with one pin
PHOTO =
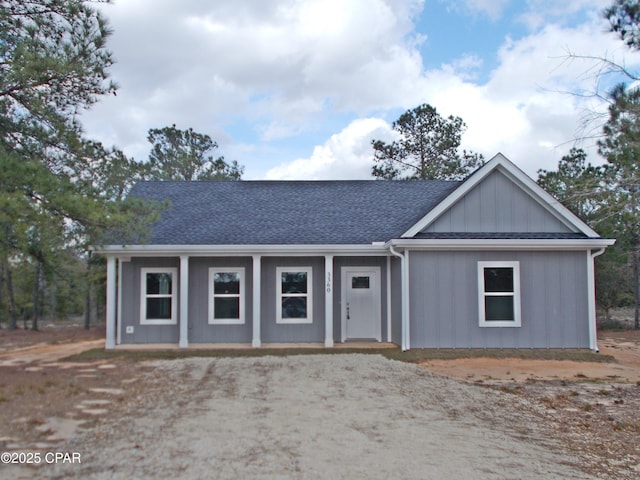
(289, 212)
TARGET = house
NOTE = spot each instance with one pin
(489, 262)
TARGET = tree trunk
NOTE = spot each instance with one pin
(13, 319)
(636, 283)
(36, 297)
(87, 300)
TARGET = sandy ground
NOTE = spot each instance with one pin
(344, 416)
(624, 346)
(320, 416)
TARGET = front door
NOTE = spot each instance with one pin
(361, 303)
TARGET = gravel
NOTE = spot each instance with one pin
(311, 417)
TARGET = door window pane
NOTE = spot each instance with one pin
(360, 282)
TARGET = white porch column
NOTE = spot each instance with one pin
(591, 292)
(406, 317)
(389, 299)
(328, 301)
(256, 340)
(184, 301)
(110, 342)
(119, 304)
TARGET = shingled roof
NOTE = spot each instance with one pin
(289, 212)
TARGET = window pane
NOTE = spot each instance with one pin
(294, 307)
(226, 283)
(159, 308)
(498, 279)
(294, 282)
(226, 307)
(499, 309)
(158, 284)
(360, 282)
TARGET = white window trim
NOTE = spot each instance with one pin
(226, 321)
(308, 295)
(143, 297)
(517, 321)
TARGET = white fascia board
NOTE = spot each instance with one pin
(236, 250)
(502, 163)
(500, 244)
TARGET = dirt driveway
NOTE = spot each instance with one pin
(317, 416)
(342, 416)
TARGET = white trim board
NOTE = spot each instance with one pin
(511, 171)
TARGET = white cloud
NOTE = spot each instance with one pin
(205, 63)
(346, 155)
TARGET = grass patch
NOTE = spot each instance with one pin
(411, 356)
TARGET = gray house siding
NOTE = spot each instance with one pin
(131, 304)
(338, 264)
(444, 301)
(396, 300)
(199, 329)
(497, 204)
(273, 332)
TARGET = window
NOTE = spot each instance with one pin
(499, 294)
(360, 282)
(158, 296)
(226, 296)
(294, 302)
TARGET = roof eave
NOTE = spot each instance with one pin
(375, 248)
(501, 244)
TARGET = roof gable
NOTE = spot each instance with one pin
(501, 198)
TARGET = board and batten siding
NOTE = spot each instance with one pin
(200, 331)
(131, 304)
(497, 204)
(396, 300)
(444, 301)
(273, 332)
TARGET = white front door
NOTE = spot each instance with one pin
(361, 303)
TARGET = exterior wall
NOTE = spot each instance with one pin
(338, 263)
(444, 301)
(273, 332)
(199, 329)
(497, 204)
(396, 300)
(131, 304)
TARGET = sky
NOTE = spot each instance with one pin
(297, 89)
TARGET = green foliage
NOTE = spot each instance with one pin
(577, 184)
(624, 19)
(185, 155)
(427, 148)
(59, 192)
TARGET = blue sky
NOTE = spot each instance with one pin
(297, 89)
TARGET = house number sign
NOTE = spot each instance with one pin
(328, 282)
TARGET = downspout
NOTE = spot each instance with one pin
(404, 287)
(591, 278)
